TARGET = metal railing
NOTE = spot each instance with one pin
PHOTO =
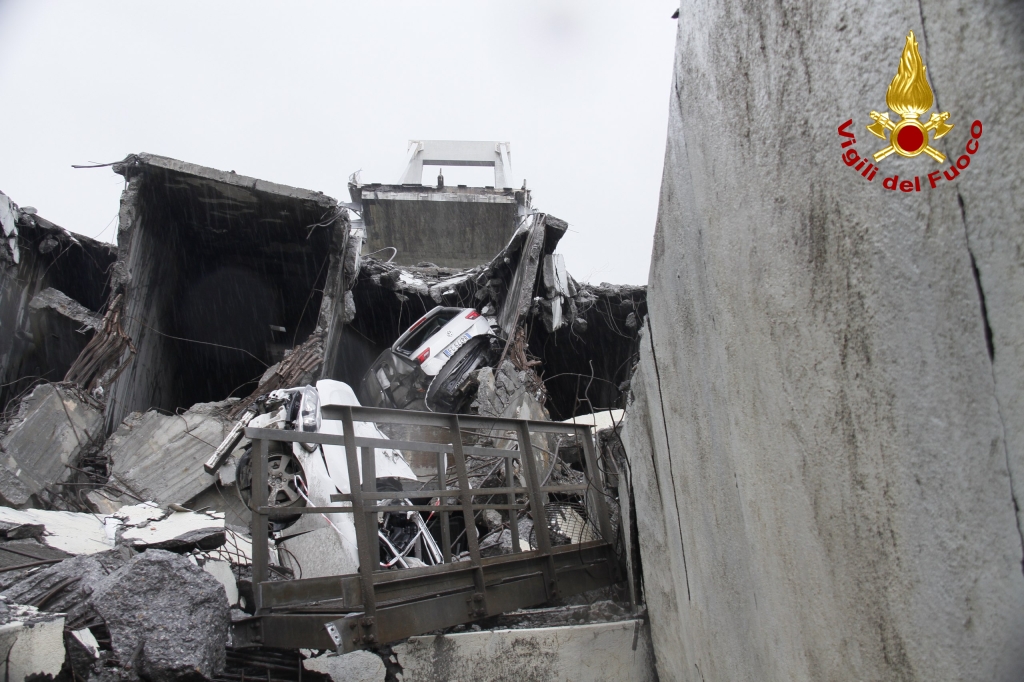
(376, 606)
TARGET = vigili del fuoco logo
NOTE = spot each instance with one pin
(910, 97)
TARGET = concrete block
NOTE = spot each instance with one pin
(65, 587)
(71, 532)
(51, 430)
(170, 530)
(221, 570)
(53, 299)
(599, 652)
(223, 499)
(358, 666)
(160, 457)
(102, 503)
(165, 615)
(317, 554)
(33, 642)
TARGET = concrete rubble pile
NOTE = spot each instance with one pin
(121, 555)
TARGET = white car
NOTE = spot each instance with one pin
(427, 366)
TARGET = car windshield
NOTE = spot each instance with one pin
(426, 330)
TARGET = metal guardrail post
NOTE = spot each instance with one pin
(479, 608)
(596, 478)
(513, 514)
(260, 531)
(540, 517)
(442, 484)
(369, 471)
(366, 538)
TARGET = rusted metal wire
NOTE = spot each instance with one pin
(302, 361)
(103, 351)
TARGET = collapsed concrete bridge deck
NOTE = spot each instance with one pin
(223, 288)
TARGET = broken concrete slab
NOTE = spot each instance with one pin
(580, 653)
(601, 611)
(102, 502)
(19, 558)
(500, 541)
(54, 425)
(33, 642)
(70, 532)
(83, 651)
(605, 419)
(357, 666)
(167, 618)
(160, 457)
(516, 304)
(450, 226)
(223, 499)
(20, 531)
(144, 527)
(509, 393)
(65, 587)
(9, 218)
(60, 302)
(35, 345)
(13, 489)
(221, 570)
(317, 554)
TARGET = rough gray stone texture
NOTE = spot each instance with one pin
(168, 618)
(357, 666)
(594, 652)
(160, 457)
(822, 449)
(497, 542)
(508, 393)
(505, 392)
(66, 587)
(65, 305)
(53, 426)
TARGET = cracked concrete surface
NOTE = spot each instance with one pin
(594, 652)
(991, 202)
(848, 453)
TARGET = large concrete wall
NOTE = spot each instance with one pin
(827, 458)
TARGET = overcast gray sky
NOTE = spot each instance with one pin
(305, 93)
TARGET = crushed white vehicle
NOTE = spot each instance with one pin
(303, 474)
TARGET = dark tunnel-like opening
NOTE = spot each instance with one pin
(583, 369)
(224, 281)
(44, 343)
(382, 315)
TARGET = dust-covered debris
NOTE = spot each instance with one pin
(160, 457)
(225, 290)
(71, 532)
(33, 642)
(175, 531)
(167, 618)
(54, 426)
(58, 301)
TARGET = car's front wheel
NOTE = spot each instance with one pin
(446, 391)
